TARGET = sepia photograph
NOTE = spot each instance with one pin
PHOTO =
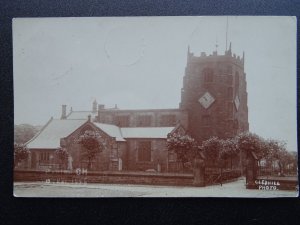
(182, 106)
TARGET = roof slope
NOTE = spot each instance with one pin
(146, 132)
(49, 137)
(111, 130)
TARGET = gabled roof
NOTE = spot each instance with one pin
(111, 130)
(146, 132)
(75, 115)
(50, 135)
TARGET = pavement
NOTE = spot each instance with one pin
(232, 189)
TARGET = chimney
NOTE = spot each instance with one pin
(63, 112)
(89, 118)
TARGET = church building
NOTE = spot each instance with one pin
(213, 103)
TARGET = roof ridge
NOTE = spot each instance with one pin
(150, 127)
(107, 124)
(83, 111)
(67, 119)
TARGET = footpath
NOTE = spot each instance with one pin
(233, 189)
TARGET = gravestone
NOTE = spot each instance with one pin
(70, 161)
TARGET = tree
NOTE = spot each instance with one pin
(292, 162)
(21, 153)
(249, 142)
(62, 155)
(228, 149)
(277, 152)
(183, 146)
(92, 145)
(24, 132)
(211, 149)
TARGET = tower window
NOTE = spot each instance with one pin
(208, 74)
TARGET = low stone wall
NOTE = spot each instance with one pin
(114, 177)
(105, 177)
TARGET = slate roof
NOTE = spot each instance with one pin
(50, 135)
(146, 132)
(134, 132)
(111, 130)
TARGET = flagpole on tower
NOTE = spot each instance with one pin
(226, 31)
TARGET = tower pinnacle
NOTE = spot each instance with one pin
(95, 106)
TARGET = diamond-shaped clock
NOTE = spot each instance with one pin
(237, 102)
(206, 100)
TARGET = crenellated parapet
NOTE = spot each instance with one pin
(210, 58)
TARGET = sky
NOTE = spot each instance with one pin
(139, 63)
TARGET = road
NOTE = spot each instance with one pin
(233, 189)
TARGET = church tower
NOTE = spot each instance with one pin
(215, 95)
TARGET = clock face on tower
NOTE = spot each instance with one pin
(206, 100)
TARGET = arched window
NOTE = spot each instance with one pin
(208, 74)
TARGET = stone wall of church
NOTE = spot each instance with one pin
(147, 154)
(144, 118)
